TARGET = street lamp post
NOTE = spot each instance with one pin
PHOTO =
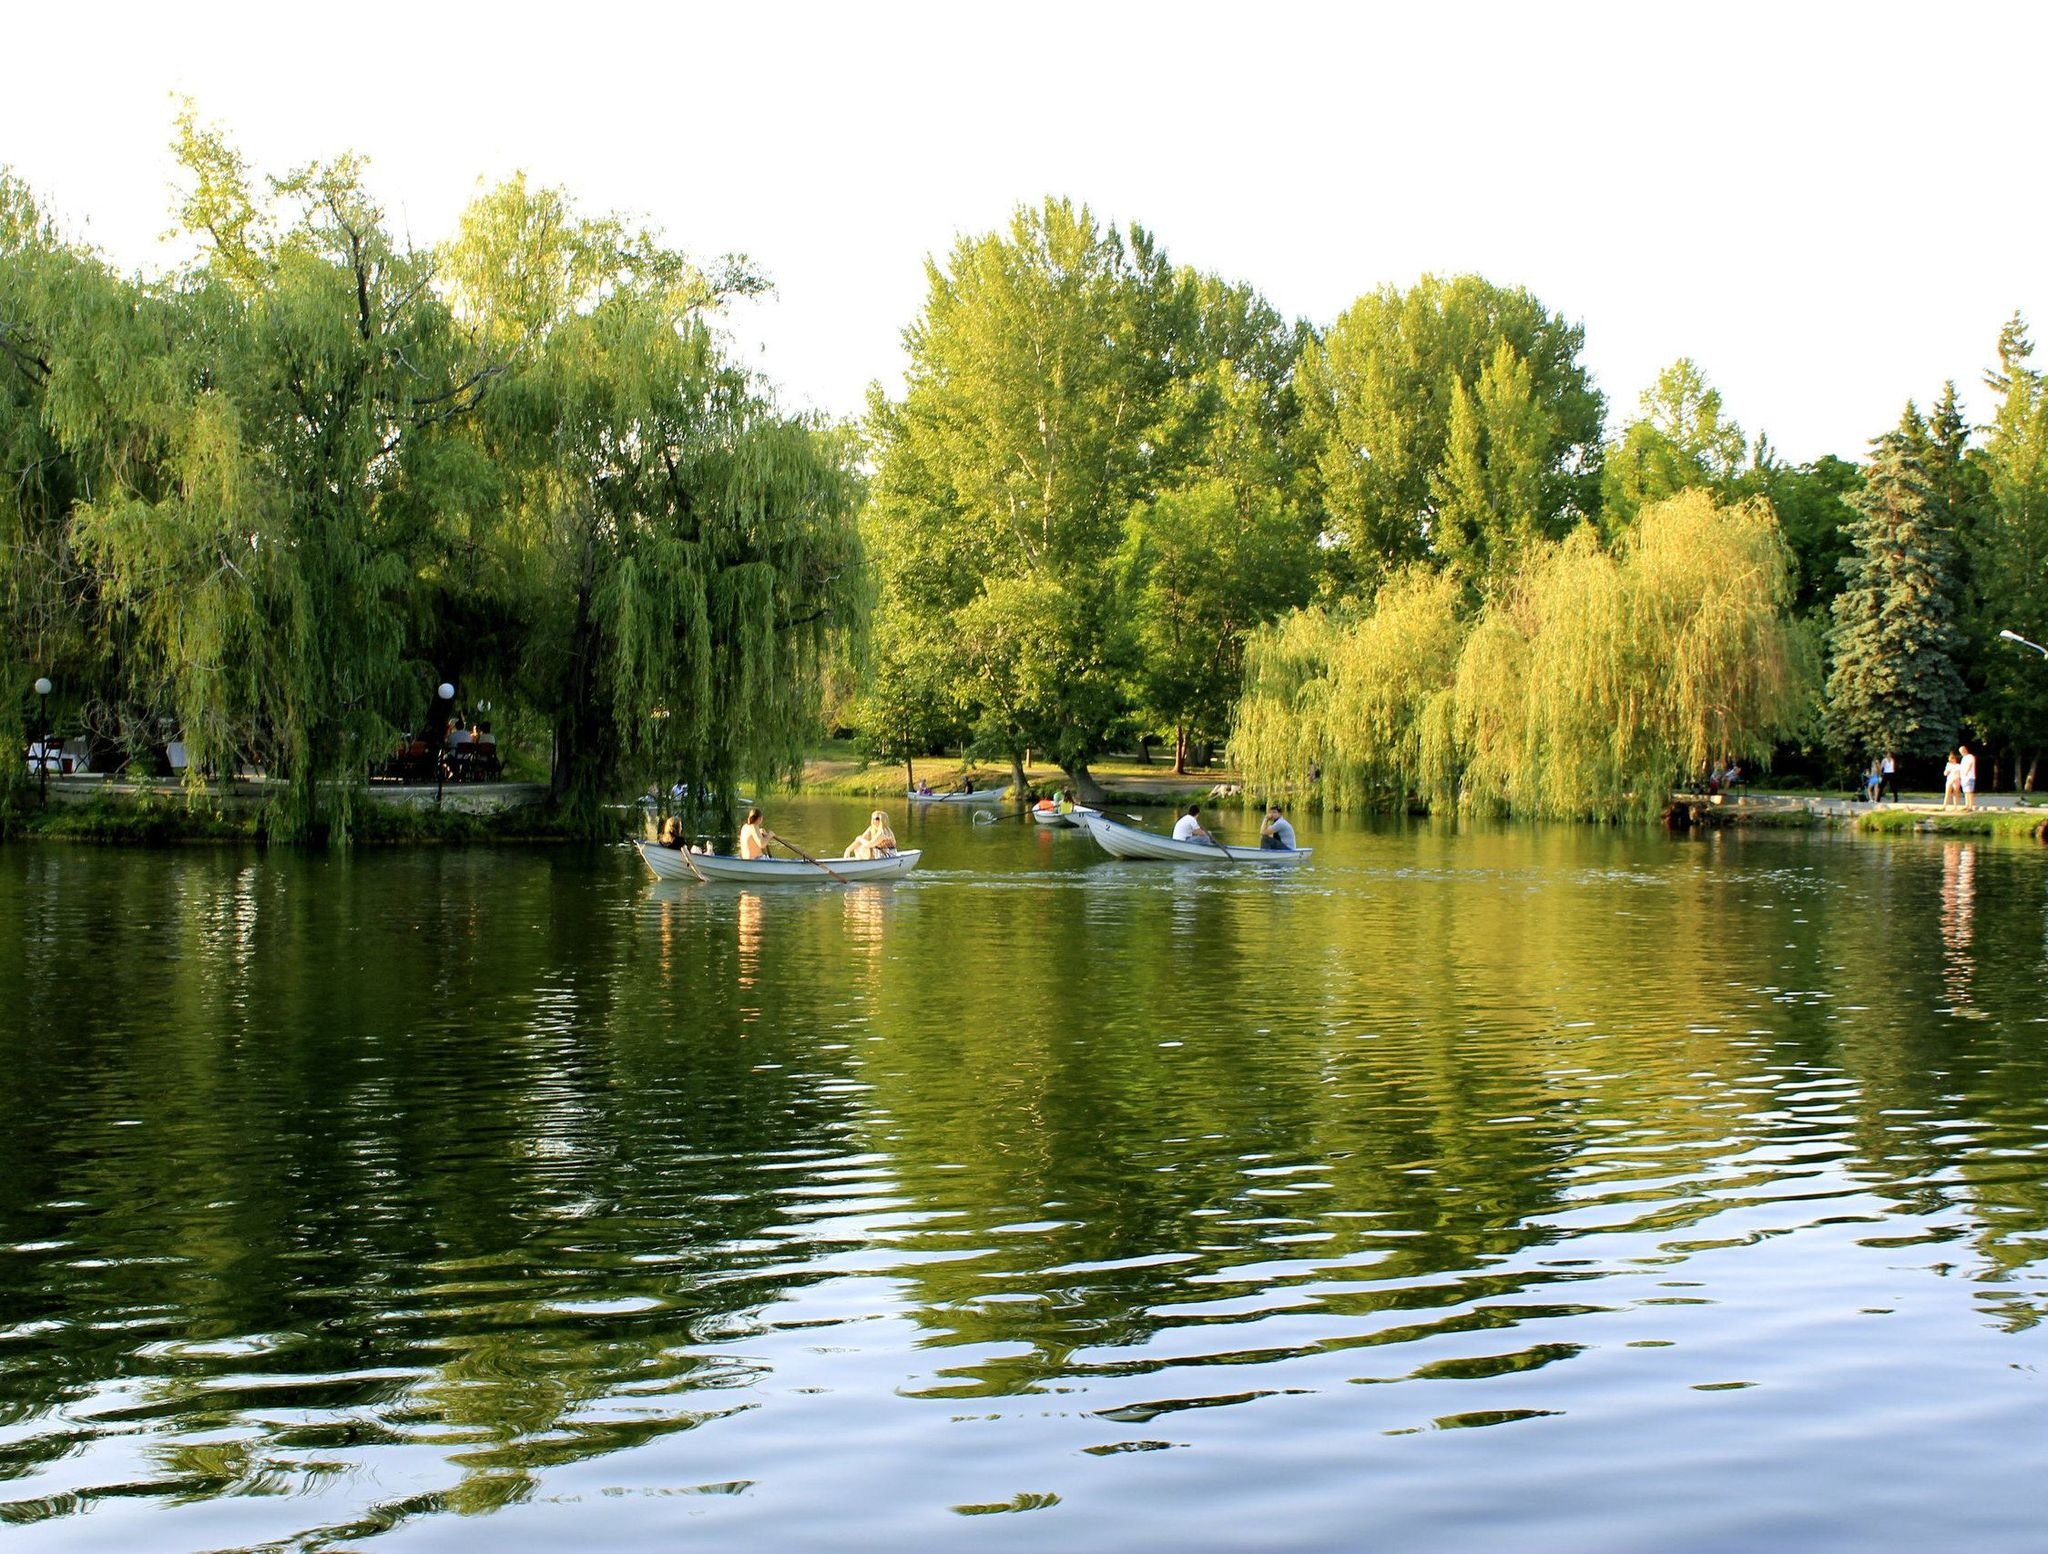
(43, 744)
(2013, 636)
(446, 692)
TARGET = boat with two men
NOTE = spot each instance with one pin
(1122, 841)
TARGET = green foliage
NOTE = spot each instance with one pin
(1063, 378)
(269, 502)
(1206, 565)
(1893, 683)
(1589, 685)
(1381, 396)
(1679, 441)
(2007, 552)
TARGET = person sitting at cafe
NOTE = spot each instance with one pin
(877, 841)
(754, 837)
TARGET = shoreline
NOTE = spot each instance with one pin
(95, 812)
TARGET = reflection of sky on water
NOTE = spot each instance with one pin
(1455, 1181)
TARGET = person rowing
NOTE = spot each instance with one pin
(877, 841)
(1276, 835)
(754, 837)
(1189, 828)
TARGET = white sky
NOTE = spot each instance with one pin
(1831, 207)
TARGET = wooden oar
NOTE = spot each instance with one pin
(807, 858)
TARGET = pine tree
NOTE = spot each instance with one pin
(1894, 685)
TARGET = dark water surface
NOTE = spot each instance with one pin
(1558, 1189)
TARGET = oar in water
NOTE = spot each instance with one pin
(807, 858)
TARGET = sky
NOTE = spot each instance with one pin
(1832, 208)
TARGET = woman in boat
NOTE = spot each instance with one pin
(877, 841)
(672, 834)
(754, 836)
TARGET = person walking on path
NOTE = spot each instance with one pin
(1966, 774)
(1890, 769)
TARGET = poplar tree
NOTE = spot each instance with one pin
(1680, 440)
(2009, 557)
(1893, 684)
(1038, 411)
(1378, 394)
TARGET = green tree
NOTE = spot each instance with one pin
(1041, 407)
(2008, 555)
(1893, 684)
(1589, 684)
(681, 555)
(1378, 395)
(1207, 564)
(1814, 507)
(1679, 441)
(275, 580)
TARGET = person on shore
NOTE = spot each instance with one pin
(1189, 829)
(1872, 781)
(1276, 835)
(877, 841)
(1891, 770)
(672, 834)
(1952, 782)
(754, 837)
(1966, 775)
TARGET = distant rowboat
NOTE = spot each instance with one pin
(979, 796)
(1122, 841)
(1054, 819)
(669, 864)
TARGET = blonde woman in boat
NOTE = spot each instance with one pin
(877, 841)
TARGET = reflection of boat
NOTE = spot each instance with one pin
(1069, 817)
(979, 796)
(1122, 841)
(669, 864)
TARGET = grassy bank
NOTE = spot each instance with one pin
(2031, 823)
(837, 769)
(154, 820)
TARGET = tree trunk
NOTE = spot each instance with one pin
(1082, 784)
(1180, 751)
(1144, 749)
(2033, 770)
(1018, 785)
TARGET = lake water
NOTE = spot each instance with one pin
(1554, 1189)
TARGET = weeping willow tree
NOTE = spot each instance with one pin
(307, 379)
(1587, 687)
(1364, 701)
(84, 375)
(682, 554)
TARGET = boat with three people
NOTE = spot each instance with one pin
(671, 863)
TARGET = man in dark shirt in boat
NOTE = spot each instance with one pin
(1276, 835)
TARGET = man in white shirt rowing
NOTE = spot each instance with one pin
(1189, 829)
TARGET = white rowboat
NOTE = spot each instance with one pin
(669, 864)
(1053, 818)
(1122, 841)
(979, 796)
